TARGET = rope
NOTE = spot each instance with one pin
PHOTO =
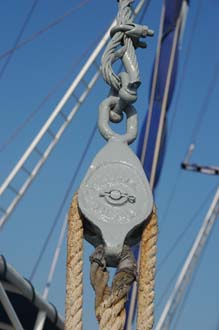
(74, 274)
(110, 302)
(145, 316)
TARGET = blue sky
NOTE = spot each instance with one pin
(35, 69)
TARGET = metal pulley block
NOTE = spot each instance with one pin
(115, 197)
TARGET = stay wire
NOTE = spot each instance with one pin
(51, 92)
(59, 212)
(202, 113)
(185, 66)
(170, 199)
(185, 230)
(189, 288)
(205, 105)
(185, 298)
(38, 33)
(175, 108)
(217, 322)
(172, 279)
(144, 11)
(20, 33)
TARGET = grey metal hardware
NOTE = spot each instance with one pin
(19, 284)
(115, 199)
(104, 116)
(92, 62)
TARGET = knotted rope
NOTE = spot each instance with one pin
(110, 302)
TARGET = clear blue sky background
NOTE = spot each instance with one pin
(32, 73)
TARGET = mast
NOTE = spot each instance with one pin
(189, 265)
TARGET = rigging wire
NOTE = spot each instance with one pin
(176, 242)
(175, 108)
(144, 11)
(55, 257)
(185, 65)
(185, 230)
(202, 113)
(41, 317)
(188, 291)
(185, 298)
(172, 279)
(175, 298)
(38, 33)
(20, 33)
(171, 198)
(59, 212)
(28, 119)
(217, 322)
(205, 105)
(51, 92)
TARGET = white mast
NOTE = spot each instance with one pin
(189, 266)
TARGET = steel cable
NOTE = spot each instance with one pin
(205, 105)
(185, 66)
(20, 33)
(185, 230)
(62, 205)
(52, 91)
(203, 110)
(38, 33)
(175, 108)
(189, 288)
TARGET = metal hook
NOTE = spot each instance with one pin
(104, 118)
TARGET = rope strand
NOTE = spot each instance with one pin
(110, 302)
(145, 316)
(74, 276)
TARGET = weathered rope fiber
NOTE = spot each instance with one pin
(110, 302)
(145, 314)
(74, 276)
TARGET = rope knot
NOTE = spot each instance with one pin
(110, 302)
